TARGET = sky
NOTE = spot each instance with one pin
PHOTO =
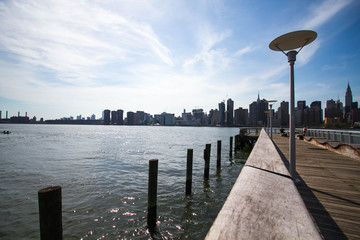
(65, 58)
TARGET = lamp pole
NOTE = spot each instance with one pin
(291, 41)
(271, 102)
(271, 116)
(291, 59)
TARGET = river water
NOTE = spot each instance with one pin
(103, 171)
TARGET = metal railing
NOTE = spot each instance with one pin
(342, 136)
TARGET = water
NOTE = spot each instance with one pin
(103, 172)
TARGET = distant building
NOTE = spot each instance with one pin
(253, 114)
(222, 114)
(257, 115)
(299, 113)
(348, 99)
(355, 116)
(19, 119)
(333, 112)
(120, 117)
(139, 118)
(284, 114)
(113, 117)
(106, 114)
(187, 119)
(167, 119)
(199, 116)
(241, 117)
(318, 112)
(186, 116)
(130, 118)
(351, 107)
(213, 118)
(93, 117)
(305, 116)
(230, 112)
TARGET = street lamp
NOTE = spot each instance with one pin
(291, 41)
(271, 103)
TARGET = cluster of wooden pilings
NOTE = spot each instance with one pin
(50, 206)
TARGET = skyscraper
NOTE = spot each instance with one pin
(120, 117)
(130, 118)
(348, 103)
(333, 112)
(318, 115)
(199, 116)
(253, 113)
(284, 114)
(257, 115)
(222, 114)
(230, 112)
(107, 117)
(262, 107)
(113, 117)
(299, 113)
(348, 96)
(241, 117)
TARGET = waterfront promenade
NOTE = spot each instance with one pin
(330, 187)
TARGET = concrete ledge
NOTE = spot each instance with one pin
(264, 202)
(337, 147)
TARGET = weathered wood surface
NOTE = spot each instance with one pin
(330, 188)
(264, 202)
(266, 156)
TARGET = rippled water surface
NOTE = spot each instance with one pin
(103, 172)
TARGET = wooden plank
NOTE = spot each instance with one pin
(263, 151)
(330, 189)
(263, 205)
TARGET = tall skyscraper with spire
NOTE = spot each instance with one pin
(348, 96)
(257, 115)
(348, 101)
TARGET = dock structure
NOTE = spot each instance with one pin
(264, 202)
(330, 187)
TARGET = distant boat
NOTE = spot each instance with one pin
(6, 132)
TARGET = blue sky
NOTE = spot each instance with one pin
(66, 58)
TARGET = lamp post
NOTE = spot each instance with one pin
(271, 102)
(291, 41)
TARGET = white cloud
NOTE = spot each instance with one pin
(72, 38)
(324, 12)
(212, 57)
(307, 52)
(243, 51)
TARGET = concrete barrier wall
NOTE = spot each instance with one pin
(264, 202)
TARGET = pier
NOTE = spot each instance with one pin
(330, 187)
(265, 203)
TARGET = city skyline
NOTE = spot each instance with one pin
(225, 111)
(68, 58)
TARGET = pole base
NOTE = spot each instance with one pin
(297, 182)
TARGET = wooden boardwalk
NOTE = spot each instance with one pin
(330, 187)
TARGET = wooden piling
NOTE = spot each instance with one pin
(218, 162)
(189, 164)
(231, 146)
(207, 160)
(50, 215)
(237, 143)
(152, 193)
